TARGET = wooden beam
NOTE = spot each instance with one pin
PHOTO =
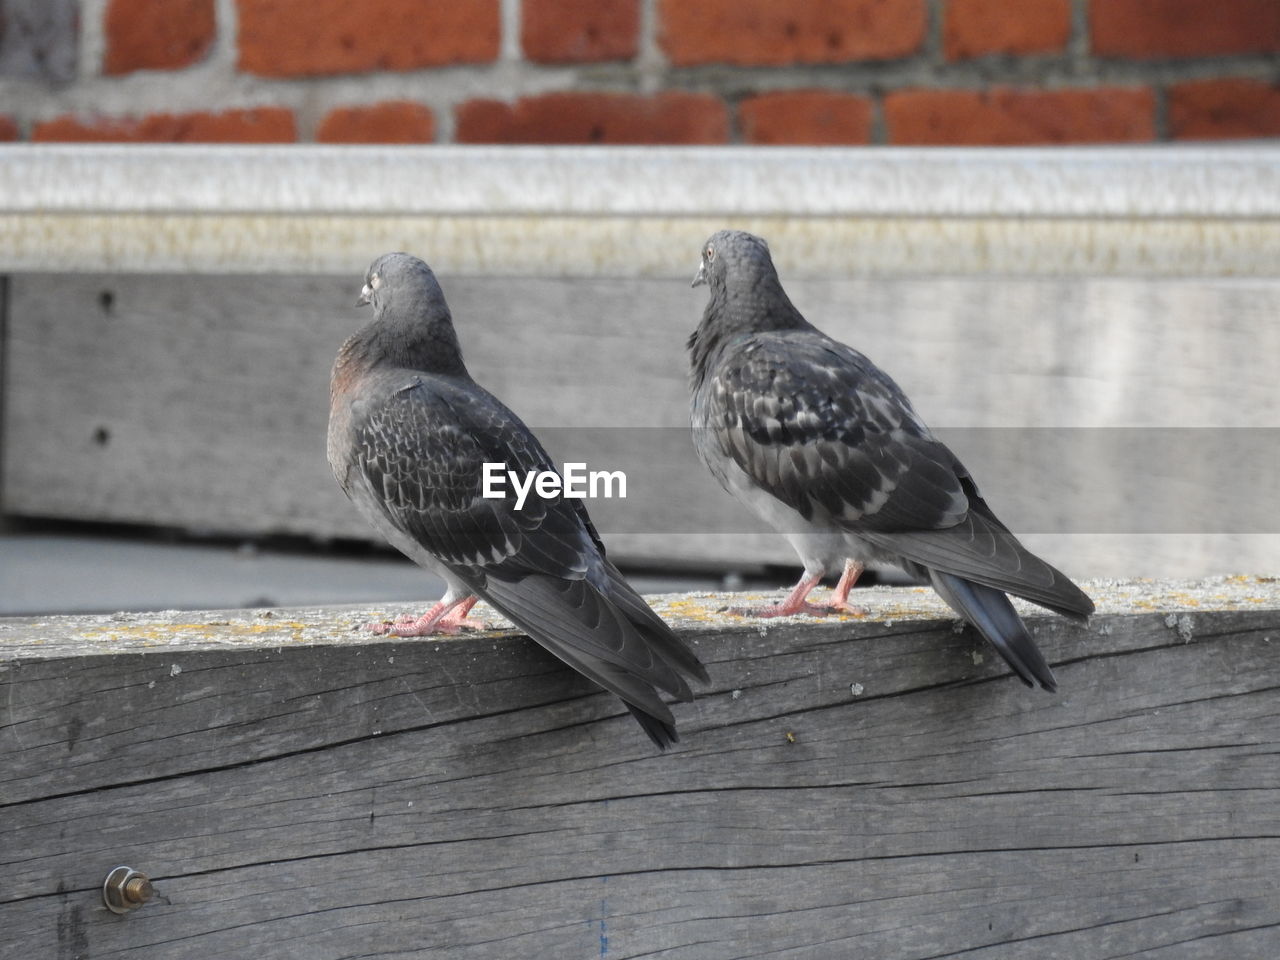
(200, 403)
(878, 787)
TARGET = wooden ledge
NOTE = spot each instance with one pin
(698, 616)
(873, 787)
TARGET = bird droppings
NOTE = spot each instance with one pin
(856, 689)
(1182, 624)
(736, 695)
(791, 737)
(175, 670)
(977, 657)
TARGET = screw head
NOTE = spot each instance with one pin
(126, 889)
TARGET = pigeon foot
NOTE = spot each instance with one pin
(447, 619)
(848, 609)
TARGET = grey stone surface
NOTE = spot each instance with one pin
(1197, 180)
(641, 212)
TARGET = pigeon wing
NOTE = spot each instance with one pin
(422, 450)
(822, 429)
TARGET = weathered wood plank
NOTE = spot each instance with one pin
(199, 402)
(876, 786)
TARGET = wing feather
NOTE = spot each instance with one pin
(825, 431)
(543, 566)
(818, 426)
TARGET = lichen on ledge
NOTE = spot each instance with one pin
(691, 614)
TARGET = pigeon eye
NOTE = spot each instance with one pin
(710, 254)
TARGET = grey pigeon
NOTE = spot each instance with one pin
(409, 432)
(822, 444)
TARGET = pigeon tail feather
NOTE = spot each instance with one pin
(662, 733)
(990, 611)
(661, 637)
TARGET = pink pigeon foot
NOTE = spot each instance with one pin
(793, 603)
(839, 602)
(445, 618)
(796, 601)
(457, 619)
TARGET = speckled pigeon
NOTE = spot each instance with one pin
(409, 433)
(823, 445)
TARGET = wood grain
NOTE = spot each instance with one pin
(878, 787)
(199, 402)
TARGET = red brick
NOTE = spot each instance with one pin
(975, 28)
(1225, 109)
(262, 125)
(8, 129)
(393, 121)
(1183, 28)
(297, 38)
(670, 117)
(157, 34)
(1003, 116)
(819, 117)
(579, 31)
(778, 32)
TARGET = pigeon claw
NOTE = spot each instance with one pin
(423, 627)
(443, 618)
(847, 609)
(465, 624)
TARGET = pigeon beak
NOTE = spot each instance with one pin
(700, 277)
(365, 294)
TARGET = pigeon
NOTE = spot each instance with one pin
(409, 434)
(825, 447)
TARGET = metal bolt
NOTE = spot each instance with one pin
(126, 889)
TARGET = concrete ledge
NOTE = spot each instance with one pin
(573, 211)
(876, 787)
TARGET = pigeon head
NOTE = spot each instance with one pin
(745, 293)
(733, 257)
(400, 281)
(412, 326)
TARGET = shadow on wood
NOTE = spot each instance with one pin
(879, 787)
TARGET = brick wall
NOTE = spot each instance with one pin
(640, 71)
